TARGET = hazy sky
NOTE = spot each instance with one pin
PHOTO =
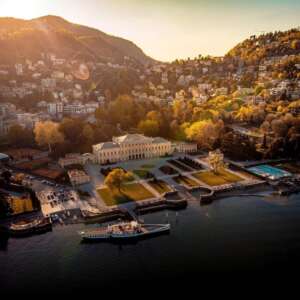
(169, 29)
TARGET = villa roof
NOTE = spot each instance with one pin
(106, 145)
(159, 140)
(132, 138)
(138, 138)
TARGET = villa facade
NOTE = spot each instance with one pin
(137, 146)
(131, 146)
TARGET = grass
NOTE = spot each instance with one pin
(212, 179)
(129, 192)
(141, 173)
(160, 186)
(186, 181)
(147, 166)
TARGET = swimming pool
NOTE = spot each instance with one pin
(269, 172)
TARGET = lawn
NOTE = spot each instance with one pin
(144, 174)
(129, 192)
(185, 181)
(212, 179)
(147, 166)
(160, 186)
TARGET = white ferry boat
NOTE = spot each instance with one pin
(123, 231)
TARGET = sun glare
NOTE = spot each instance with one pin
(20, 8)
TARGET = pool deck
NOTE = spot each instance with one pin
(269, 172)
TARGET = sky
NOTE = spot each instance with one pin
(169, 29)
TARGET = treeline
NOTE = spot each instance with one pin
(208, 124)
(276, 43)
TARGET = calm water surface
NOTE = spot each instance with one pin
(232, 234)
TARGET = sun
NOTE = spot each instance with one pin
(26, 9)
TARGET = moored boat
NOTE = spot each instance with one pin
(124, 231)
(30, 226)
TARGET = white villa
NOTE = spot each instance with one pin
(131, 146)
(128, 147)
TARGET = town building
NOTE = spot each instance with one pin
(78, 177)
(71, 159)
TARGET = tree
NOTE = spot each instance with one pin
(71, 128)
(216, 160)
(88, 133)
(205, 132)
(245, 113)
(295, 44)
(47, 133)
(149, 127)
(19, 136)
(116, 178)
(279, 128)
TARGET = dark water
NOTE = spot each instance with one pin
(231, 235)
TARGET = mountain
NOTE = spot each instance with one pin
(21, 39)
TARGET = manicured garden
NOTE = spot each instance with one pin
(143, 174)
(129, 192)
(168, 170)
(147, 166)
(179, 165)
(160, 186)
(190, 163)
(220, 178)
(185, 181)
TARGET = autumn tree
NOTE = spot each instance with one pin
(216, 160)
(116, 178)
(19, 136)
(71, 128)
(149, 127)
(295, 44)
(205, 133)
(48, 134)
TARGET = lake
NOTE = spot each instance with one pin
(231, 235)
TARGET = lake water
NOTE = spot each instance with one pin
(231, 235)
